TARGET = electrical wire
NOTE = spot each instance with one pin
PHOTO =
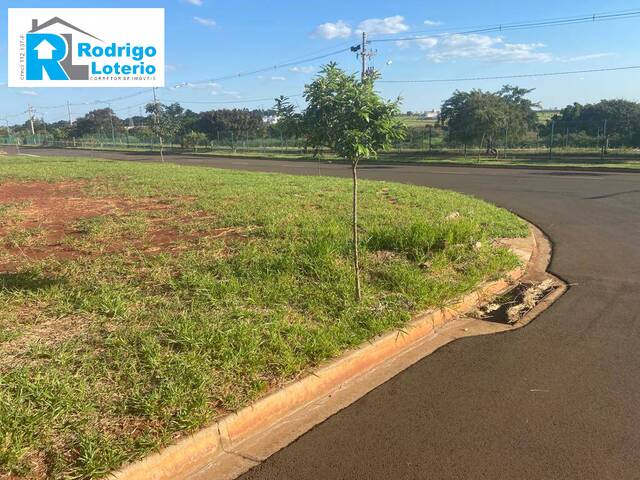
(224, 102)
(551, 22)
(523, 75)
(449, 29)
(593, 18)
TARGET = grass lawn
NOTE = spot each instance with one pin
(140, 302)
(574, 158)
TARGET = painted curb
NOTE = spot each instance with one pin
(194, 452)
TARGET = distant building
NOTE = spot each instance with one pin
(270, 119)
(432, 114)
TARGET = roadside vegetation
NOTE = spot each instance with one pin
(503, 125)
(140, 302)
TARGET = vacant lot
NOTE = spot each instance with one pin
(139, 302)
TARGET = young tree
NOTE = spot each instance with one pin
(194, 140)
(348, 116)
(289, 122)
(166, 122)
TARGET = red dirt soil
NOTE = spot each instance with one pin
(52, 210)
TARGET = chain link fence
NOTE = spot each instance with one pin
(555, 140)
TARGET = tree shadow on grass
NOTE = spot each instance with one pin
(26, 282)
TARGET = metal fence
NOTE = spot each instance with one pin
(558, 140)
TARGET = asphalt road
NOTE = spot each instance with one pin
(559, 399)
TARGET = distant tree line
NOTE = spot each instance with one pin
(615, 120)
(508, 118)
(176, 124)
(490, 120)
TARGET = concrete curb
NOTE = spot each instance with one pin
(217, 451)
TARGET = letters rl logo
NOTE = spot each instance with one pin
(52, 53)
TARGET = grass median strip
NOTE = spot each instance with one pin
(140, 302)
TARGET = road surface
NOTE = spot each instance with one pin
(559, 399)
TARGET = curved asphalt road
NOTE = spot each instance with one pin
(559, 399)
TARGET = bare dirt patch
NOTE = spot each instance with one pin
(40, 220)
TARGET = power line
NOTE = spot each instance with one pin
(216, 79)
(448, 29)
(558, 21)
(224, 102)
(523, 75)
(267, 69)
(554, 22)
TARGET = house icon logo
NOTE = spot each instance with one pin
(52, 54)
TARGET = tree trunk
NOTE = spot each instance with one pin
(161, 150)
(356, 262)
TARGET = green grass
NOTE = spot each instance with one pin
(581, 158)
(107, 357)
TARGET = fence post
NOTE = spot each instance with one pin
(506, 141)
(553, 128)
(602, 142)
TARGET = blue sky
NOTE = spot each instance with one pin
(211, 38)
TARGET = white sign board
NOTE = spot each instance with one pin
(86, 47)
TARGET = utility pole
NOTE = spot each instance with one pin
(69, 113)
(30, 110)
(364, 54)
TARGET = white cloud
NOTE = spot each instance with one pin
(279, 79)
(197, 3)
(170, 67)
(329, 30)
(481, 47)
(426, 43)
(207, 22)
(29, 92)
(432, 23)
(590, 56)
(198, 85)
(303, 69)
(384, 26)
